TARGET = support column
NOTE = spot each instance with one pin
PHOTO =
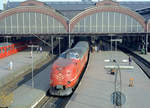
(111, 42)
(146, 43)
(52, 47)
(69, 41)
(116, 45)
(59, 45)
(69, 35)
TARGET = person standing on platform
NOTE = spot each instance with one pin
(100, 45)
(10, 65)
(96, 50)
(130, 60)
(41, 49)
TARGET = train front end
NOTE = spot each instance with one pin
(60, 76)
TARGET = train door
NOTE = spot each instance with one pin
(4, 51)
(82, 63)
(79, 63)
(1, 53)
(15, 48)
(12, 48)
(8, 50)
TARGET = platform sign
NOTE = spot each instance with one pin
(116, 40)
(33, 46)
(118, 98)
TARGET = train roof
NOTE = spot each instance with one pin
(80, 51)
(82, 44)
(5, 44)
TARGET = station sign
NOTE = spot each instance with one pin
(116, 40)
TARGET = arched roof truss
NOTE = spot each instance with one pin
(35, 19)
(107, 17)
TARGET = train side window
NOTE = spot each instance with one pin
(0, 51)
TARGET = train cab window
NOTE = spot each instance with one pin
(63, 55)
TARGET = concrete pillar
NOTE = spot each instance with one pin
(69, 41)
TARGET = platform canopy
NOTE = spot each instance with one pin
(108, 17)
(32, 17)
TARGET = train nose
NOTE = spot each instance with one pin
(59, 76)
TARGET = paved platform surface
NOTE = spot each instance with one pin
(21, 61)
(97, 85)
(29, 97)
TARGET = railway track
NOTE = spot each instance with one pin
(58, 102)
(140, 61)
(53, 102)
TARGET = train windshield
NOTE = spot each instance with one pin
(72, 55)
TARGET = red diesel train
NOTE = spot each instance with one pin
(67, 69)
(7, 49)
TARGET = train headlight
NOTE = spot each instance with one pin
(51, 81)
(68, 82)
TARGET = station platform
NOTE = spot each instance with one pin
(97, 85)
(22, 62)
(31, 96)
(146, 57)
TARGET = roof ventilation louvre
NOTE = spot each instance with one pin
(32, 3)
(107, 3)
(86, 0)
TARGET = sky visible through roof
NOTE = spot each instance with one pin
(1, 1)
